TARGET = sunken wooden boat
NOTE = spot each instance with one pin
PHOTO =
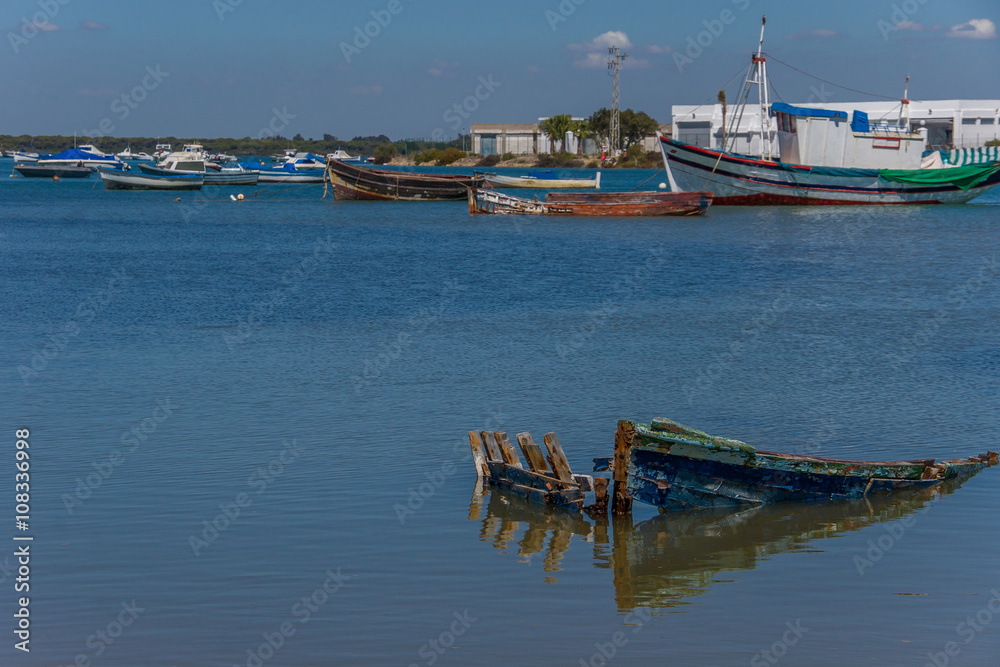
(674, 467)
(542, 180)
(597, 204)
(364, 183)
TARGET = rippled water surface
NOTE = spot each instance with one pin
(302, 374)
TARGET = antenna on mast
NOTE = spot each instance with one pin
(615, 67)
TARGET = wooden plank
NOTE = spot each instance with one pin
(621, 503)
(493, 452)
(501, 470)
(507, 449)
(568, 497)
(557, 458)
(478, 454)
(533, 453)
(585, 482)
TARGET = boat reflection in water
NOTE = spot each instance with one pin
(661, 562)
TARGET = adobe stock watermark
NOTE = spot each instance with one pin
(363, 36)
(968, 630)
(86, 311)
(123, 106)
(431, 651)
(957, 299)
(460, 112)
(133, 436)
(901, 13)
(420, 494)
(223, 7)
(779, 649)
(698, 44)
(105, 637)
(192, 208)
(878, 548)
(606, 651)
(622, 289)
(258, 482)
(419, 323)
(751, 338)
(302, 612)
(562, 13)
(292, 281)
(47, 10)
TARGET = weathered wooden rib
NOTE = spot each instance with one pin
(497, 461)
(673, 466)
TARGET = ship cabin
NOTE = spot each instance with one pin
(825, 138)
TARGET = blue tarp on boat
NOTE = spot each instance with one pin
(804, 111)
(859, 122)
(77, 154)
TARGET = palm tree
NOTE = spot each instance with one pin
(722, 101)
(557, 127)
(581, 130)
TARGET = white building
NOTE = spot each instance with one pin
(948, 123)
(528, 139)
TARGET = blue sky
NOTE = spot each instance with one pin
(207, 68)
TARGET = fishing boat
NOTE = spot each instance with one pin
(35, 170)
(193, 160)
(599, 204)
(672, 466)
(824, 159)
(116, 179)
(24, 156)
(364, 183)
(542, 180)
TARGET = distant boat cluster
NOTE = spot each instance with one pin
(166, 169)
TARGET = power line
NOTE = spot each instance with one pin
(837, 85)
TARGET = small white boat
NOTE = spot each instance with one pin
(93, 150)
(161, 151)
(298, 168)
(116, 179)
(542, 180)
(24, 156)
(127, 154)
(79, 157)
(192, 160)
(344, 156)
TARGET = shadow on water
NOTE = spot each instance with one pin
(661, 562)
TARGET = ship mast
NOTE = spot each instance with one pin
(904, 109)
(756, 76)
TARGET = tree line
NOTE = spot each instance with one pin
(635, 126)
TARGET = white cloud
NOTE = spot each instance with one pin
(92, 25)
(915, 26)
(815, 33)
(974, 29)
(596, 50)
(45, 26)
(605, 42)
(440, 68)
(656, 48)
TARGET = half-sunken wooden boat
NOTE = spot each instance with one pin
(542, 180)
(613, 204)
(364, 183)
(35, 170)
(546, 480)
(116, 179)
(674, 467)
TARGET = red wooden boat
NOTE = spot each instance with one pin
(616, 204)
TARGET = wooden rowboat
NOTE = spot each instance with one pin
(672, 466)
(364, 183)
(116, 179)
(617, 204)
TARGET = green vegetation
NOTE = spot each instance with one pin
(993, 142)
(507, 156)
(384, 153)
(635, 126)
(557, 127)
(559, 161)
(441, 158)
(245, 146)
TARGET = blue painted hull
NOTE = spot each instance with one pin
(674, 467)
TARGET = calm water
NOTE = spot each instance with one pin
(315, 366)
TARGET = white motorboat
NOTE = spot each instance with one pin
(344, 156)
(116, 179)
